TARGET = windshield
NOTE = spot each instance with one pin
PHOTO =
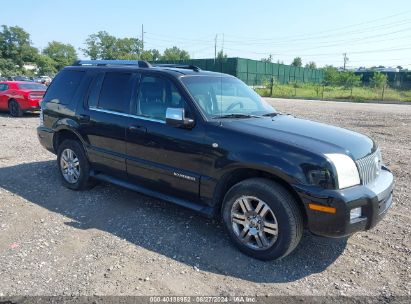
(32, 86)
(221, 96)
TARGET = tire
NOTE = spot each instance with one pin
(272, 224)
(80, 179)
(14, 109)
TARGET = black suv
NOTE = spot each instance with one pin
(208, 142)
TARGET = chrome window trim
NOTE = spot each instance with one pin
(126, 115)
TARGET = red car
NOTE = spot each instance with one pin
(19, 97)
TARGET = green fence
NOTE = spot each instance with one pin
(254, 72)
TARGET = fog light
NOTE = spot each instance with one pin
(355, 213)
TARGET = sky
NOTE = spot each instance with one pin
(370, 32)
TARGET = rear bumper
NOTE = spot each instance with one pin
(31, 109)
(30, 105)
(45, 136)
(374, 199)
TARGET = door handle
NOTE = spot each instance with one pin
(137, 129)
(84, 117)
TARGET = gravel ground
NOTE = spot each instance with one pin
(111, 241)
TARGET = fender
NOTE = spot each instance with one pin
(67, 124)
(235, 160)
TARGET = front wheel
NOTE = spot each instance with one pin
(262, 218)
(73, 165)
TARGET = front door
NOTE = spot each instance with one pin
(161, 157)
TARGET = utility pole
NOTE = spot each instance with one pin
(345, 60)
(222, 48)
(215, 48)
(142, 37)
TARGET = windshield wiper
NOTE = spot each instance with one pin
(235, 115)
(271, 114)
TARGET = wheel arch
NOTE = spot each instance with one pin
(240, 174)
(10, 100)
(64, 133)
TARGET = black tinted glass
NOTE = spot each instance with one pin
(32, 86)
(64, 86)
(115, 92)
(156, 95)
(95, 91)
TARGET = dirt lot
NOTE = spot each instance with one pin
(108, 240)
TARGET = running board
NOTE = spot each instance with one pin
(205, 210)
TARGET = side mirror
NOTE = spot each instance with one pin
(176, 117)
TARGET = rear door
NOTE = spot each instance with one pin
(104, 122)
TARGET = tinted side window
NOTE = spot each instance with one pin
(115, 92)
(95, 91)
(156, 94)
(64, 86)
(4, 87)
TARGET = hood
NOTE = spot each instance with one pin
(313, 136)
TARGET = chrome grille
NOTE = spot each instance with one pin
(369, 167)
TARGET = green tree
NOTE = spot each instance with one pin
(379, 81)
(62, 54)
(331, 76)
(15, 45)
(297, 62)
(46, 65)
(175, 53)
(221, 55)
(128, 49)
(150, 55)
(349, 80)
(311, 65)
(105, 46)
(8, 67)
(269, 59)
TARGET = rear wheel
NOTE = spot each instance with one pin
(262, 218)
(14, 109)
(73, 165)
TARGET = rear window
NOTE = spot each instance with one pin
(32, 86)
(115, 92)
(64, 86)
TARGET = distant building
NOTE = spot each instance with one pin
(377, 69)
(30, 67)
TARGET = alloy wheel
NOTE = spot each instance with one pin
(70, 166)
(254, 223)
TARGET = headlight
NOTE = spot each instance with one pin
(347, 172)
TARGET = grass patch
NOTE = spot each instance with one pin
(313, 91)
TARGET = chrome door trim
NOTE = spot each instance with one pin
(127, 115)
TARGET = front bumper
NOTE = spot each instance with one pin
(374, 199)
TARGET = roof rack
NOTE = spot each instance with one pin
(179, 66)
(139, 63)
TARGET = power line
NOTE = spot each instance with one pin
(361, 41)
(313, 38)
(408, 47)
(330, 30)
